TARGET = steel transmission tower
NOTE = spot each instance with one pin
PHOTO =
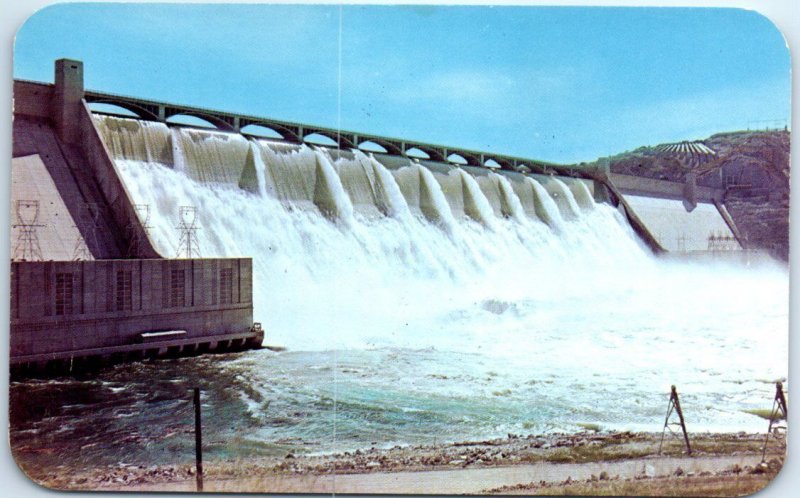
(27, 247)
(136, 236)
(188, 246)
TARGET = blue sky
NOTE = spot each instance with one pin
(557, 84)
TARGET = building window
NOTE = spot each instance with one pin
(226, 286)
(124, 296)
(177, 288)
(63, 293)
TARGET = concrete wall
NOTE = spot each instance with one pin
(33, 99)
(111, 302)
(675, 228)
(662, 189)
(81, 148)
(66, 103)
(57, 236)
(102, 167)
(75, 187)
(89, 309)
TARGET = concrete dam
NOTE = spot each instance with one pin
(160, 237)
(338, 183)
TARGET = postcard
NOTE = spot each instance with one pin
(376, 249)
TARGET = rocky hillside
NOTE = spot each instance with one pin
(753, 168)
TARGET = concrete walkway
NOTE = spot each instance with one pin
(457, 481)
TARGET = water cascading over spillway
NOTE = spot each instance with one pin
(454, 292)
(581, 194)
(323, 226)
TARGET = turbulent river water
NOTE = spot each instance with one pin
(417, 306)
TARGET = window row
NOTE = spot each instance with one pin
(175, 296)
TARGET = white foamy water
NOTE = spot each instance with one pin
(450, 321)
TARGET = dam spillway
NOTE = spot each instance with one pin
(444, 299)
(301, 174)
(325, 225)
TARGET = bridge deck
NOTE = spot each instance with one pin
(297, 133)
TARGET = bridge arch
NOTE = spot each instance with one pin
(191, 120)
(492, 164)
(372, 146)
(327, 138)
(291, 134)
(137, 110)
(317, 138)
(261, 131)
(416, 153)
(457, 159)
(433, 153)
(472, 159)
(217, 122)
(390, 146)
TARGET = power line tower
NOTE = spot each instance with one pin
(80, 252)
(87, 225)
(188, 246)
(135, 235)
(27, 247)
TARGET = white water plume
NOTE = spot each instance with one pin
(558, 299)
(546, 208)
(329, 194)
(178, 157)
(511, 205)
(301, 257)
(563, 198)
(136, 140)
(583, 197)
(395, 204)
(476, 205)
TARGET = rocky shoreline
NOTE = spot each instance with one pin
(513, 450)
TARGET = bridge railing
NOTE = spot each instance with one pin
(297, 132)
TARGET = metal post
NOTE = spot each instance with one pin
(778, 408)
(680, 416)
(781, 399)
(666, 425)
(198, 439)
(675, 404)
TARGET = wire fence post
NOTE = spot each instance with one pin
(779, 410)
(675, 404)
(198, 439)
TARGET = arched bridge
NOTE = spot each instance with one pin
(302, 133)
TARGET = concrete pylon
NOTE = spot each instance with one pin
(67, 99)
(690, 192)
